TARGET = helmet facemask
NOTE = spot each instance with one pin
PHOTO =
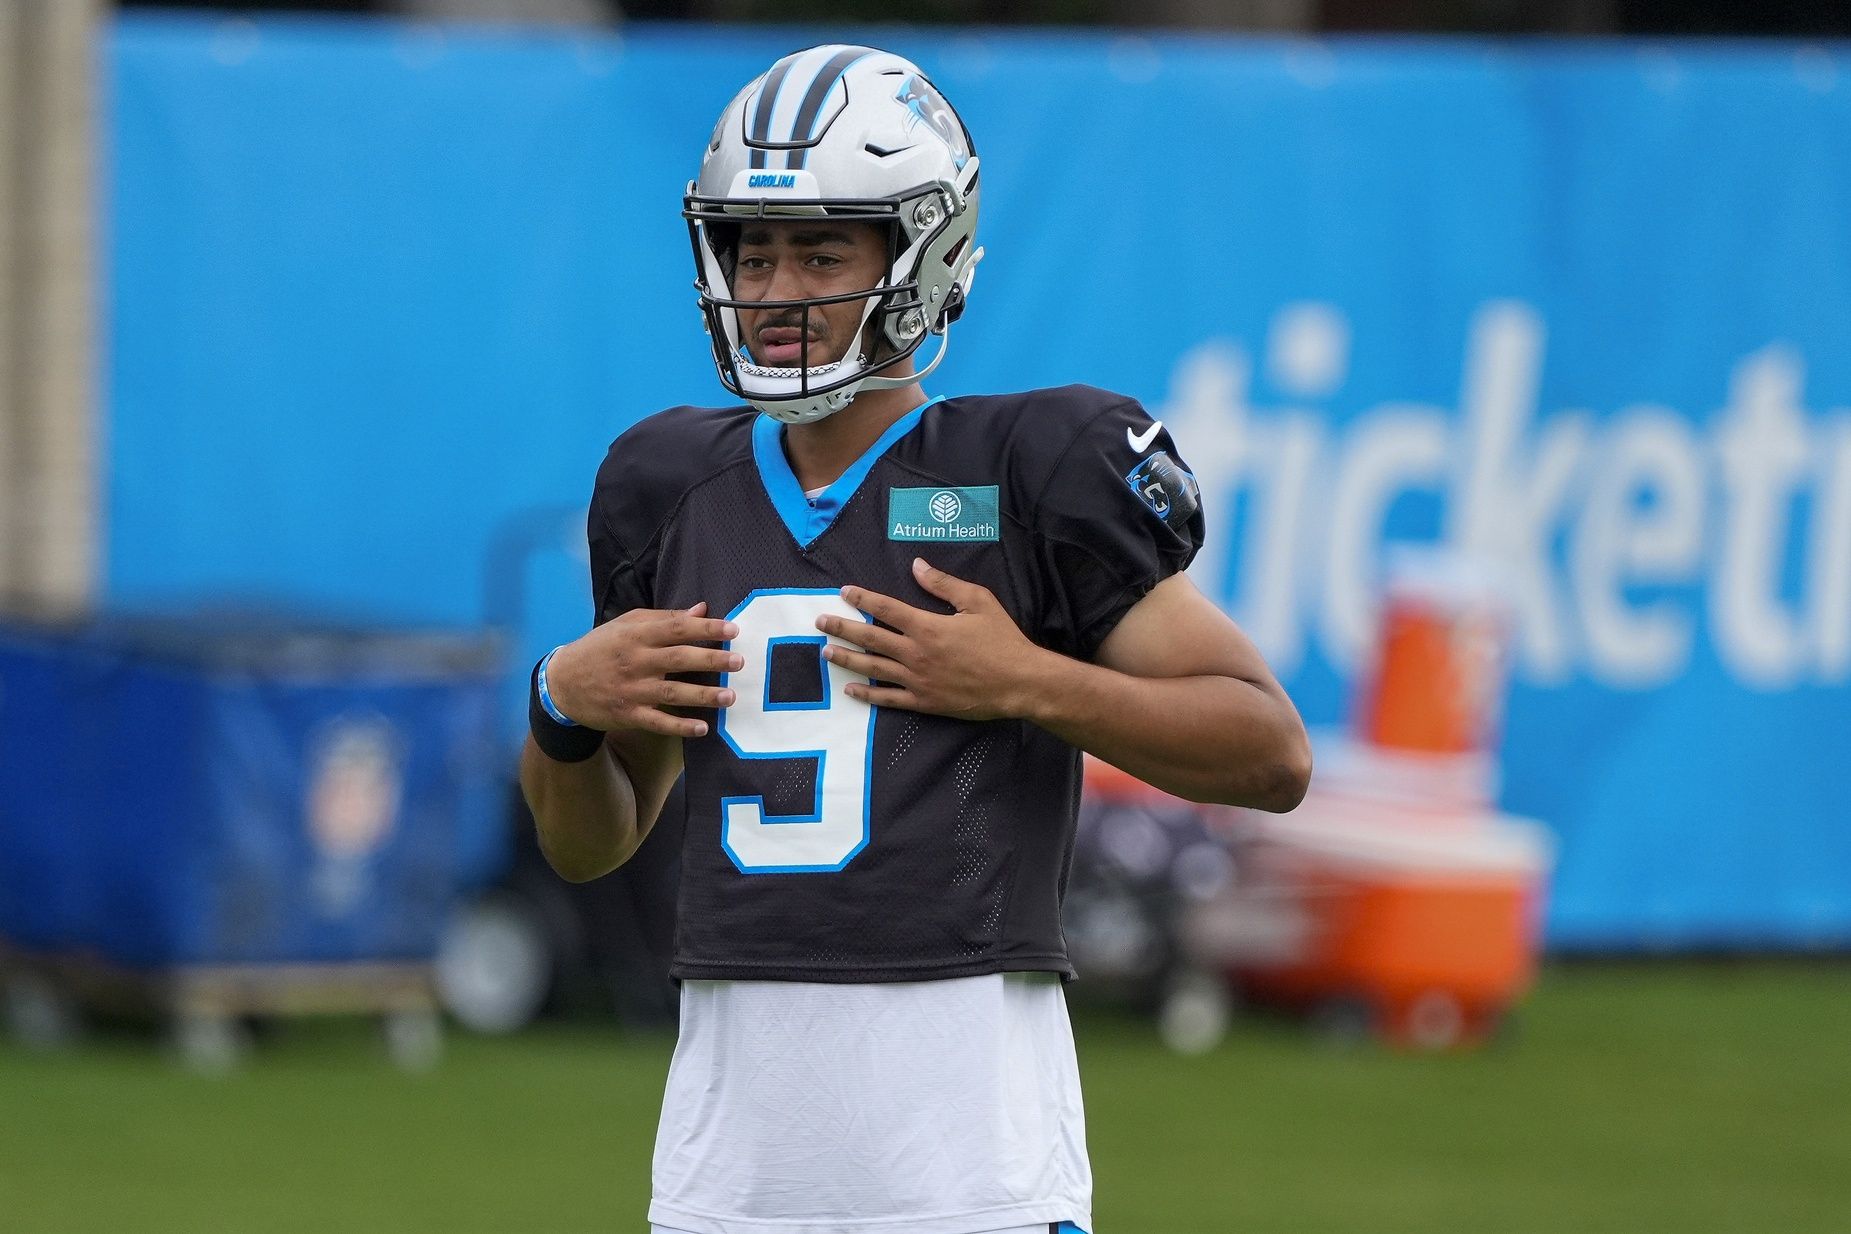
(894, 323)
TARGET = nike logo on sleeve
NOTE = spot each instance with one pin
(1140, 442)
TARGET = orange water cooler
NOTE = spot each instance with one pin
(1396, 899)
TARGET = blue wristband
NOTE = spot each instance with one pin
(561, 739)
(546, 698)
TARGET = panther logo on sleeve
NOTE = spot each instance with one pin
(1166, 487)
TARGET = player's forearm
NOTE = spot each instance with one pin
(585, 813)
(1207, 738)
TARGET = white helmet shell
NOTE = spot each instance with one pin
(851, 133)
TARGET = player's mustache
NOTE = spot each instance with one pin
(793, 320)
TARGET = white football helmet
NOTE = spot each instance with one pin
(850, 133)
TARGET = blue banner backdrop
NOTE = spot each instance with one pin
(381, 295)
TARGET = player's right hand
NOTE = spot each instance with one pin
(618, 676)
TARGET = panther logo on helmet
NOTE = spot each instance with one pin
(930, 107)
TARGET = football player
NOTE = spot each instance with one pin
(875, 630)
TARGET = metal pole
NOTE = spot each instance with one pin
(12, 394)
(54, 516)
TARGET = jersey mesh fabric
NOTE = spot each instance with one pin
(969, 824)
(910, 904)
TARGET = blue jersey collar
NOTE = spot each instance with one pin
(808, 519)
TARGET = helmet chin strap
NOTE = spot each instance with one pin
(895, 383)
(820, 406)
(806, 411)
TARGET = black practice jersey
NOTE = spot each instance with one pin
(828, 840)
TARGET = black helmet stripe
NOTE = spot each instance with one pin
(825, 81)
(767, 99)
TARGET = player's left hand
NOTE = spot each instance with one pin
(973, 663)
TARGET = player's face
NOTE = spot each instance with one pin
(803, 259)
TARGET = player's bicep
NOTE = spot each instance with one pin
(653, 762)
(1175, 631)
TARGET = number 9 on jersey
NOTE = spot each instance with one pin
(835, 730)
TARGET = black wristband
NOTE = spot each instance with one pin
(563, 743)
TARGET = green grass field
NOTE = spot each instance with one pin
(1680, 1098)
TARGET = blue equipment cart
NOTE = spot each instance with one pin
(224, 817)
